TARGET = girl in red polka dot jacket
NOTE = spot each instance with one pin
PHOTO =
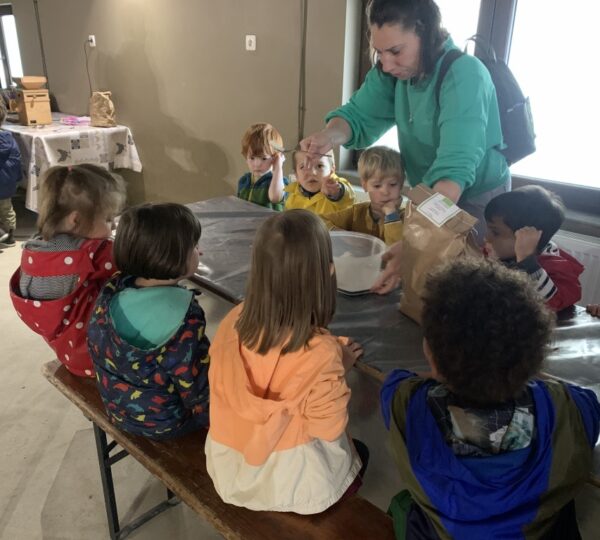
(64, 266)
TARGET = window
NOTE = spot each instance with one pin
(9, 48)
(555, 67)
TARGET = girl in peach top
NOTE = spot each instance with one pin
(279, 399)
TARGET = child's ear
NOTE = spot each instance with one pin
(72, 221)
(363, 183)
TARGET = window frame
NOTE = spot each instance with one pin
(5, 9)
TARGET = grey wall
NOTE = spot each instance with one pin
(182, 81)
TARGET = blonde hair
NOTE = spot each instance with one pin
(87, 189)
(291, 291)
(259, 140)
(380, 161)
(329, 155)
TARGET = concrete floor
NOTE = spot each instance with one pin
(50, 484)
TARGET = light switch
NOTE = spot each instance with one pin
(250, 42)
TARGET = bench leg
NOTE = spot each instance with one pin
(108, 487)
(106, 461)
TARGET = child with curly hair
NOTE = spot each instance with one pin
(486, 449)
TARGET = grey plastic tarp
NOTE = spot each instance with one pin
(389, 338)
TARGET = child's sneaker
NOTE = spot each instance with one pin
(7, 240)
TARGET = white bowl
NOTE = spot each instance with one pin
(357, 259)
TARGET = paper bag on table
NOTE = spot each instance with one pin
(435, 231)
(102, 110)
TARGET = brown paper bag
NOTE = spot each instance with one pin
(435, 230)
(102, 110)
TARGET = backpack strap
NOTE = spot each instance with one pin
(448, 60)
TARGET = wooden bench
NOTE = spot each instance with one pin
(180, 465)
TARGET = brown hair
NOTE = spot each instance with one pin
(3, 111)
(154, 241)
(259, 140)
(291, 292)
(380, 161)
(87, 189)
(487, 329)
(298, 152)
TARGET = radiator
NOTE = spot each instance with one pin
(586, 249)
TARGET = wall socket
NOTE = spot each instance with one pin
(91, 40)
(250, 42)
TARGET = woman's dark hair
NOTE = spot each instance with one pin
(487, 329)
(529, 206)
(154, 241)
(421, 16)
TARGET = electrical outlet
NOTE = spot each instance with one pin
(250, 42)
(91, 40)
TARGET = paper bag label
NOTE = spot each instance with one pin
(438, 209)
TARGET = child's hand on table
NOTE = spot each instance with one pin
(352, 351)
(594, 310)
(389, 279)
(390, 207)
(526, 241)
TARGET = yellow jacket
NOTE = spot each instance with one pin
(358, 218)
(318, 203)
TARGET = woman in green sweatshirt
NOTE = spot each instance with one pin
(453, 147)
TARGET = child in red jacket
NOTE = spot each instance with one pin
(521, 224)
(64, 267)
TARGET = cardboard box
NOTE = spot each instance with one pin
(30, 82)
(33, 107)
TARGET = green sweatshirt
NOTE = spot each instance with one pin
(459, 141)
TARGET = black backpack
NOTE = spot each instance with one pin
(515, 111)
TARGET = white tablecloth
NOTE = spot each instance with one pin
(43, 147)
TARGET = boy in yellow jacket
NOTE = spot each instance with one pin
(382, 177)
(317, 188)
